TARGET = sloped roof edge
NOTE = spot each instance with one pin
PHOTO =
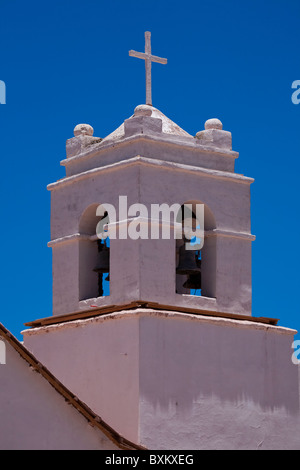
(95, 420)
(98, 311)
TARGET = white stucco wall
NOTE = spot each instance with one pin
(98, 361)
(33, 416)
(217, 385)
(175, 381)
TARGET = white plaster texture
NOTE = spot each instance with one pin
(98, 359)
(34, 416)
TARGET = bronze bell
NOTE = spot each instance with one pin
(193, 281)
(187, 262)
(103, 261)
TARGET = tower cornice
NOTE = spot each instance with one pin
(141, 160)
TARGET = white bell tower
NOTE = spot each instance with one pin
(151, 162)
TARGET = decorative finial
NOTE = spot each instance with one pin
(148, 58)
(213, 124)
(143, 110)
(83, 129)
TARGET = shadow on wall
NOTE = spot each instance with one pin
(186, 360)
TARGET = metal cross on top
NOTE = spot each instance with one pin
(148, 58)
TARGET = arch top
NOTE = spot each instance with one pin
(198, 206)
(90, 217)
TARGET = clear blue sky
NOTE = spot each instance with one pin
(66, 62)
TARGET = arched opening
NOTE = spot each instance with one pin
(94, 254)
(195, 252)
